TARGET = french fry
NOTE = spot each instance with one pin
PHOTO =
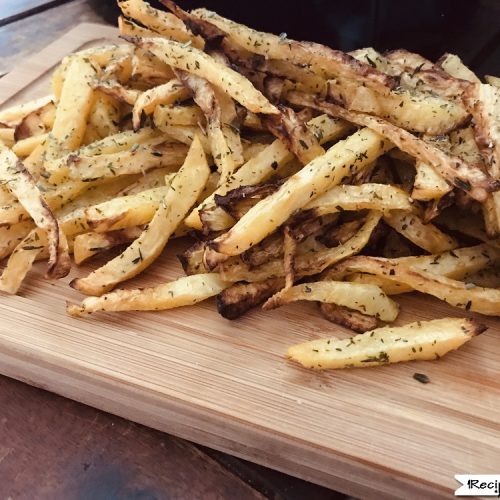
(72, 111)
(87, 245)
(23, 187)
(200, 64)
(426, 236)
(348, 318)
(307, 264)
(423, 340)
(454, 292)
(129, 28)
(493, 80)
(13, 115)
(116, 90)
(428, 185)
(455, 264)
(466, 177)
(25, 147)
(269, 161)
(185, 291)
(320, 59)
(413, 110)
(104, 115)
(182, 194)
(341, 161)
(134, 161)
(125, 211)
(7, 137)
(367, 299)
(161, 22)
(454, 66)
(366, 196)
(38, 122)
(168, 93)
(11, 235)
(173, 115)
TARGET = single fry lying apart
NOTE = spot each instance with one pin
(423, 340)
(185, 291)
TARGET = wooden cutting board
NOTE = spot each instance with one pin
(370, 433)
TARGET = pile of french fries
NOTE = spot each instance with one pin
(302, 172)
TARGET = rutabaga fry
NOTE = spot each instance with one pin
(12, 235)
(23, 187)
(370, 195)
(466, 177)
(426, 236)
(423, 340)
(134, 161)
(367, 299)
(454, 292)
(320, 59)
(13, 115)
(198, 63)
(428, 185)
(348, 318)
(341, 161)
(172, 115)
(124, 211)
(89, 244)
(166, 94)
(306, 264)
(266, 163)
(163, 23)
(185, 291)
(25, 147)
(182, 194)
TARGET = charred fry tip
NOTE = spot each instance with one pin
(136, 40)
(74, 283)
(478, 328)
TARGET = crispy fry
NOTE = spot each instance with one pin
(168, 93)
(87, 245)
(367, 299)
(200, 64)
(466, 177)
(337, 164)
(307, 264)
(104, 115)
(182, 194)
(185, 291)
(11, 235)
(372, 196)
(269, 161)
(349, 318)
(163, 23)
(320, 59)
(173, 115)
(423, 340)
(38, 122)
(23, 187)
(134, 161)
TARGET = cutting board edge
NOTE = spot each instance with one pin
(50, 375)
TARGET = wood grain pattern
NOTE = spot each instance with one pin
(227, 385)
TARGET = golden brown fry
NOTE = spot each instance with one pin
(168, 93)
(182, 194)
(320, 59)
(23, 187)
(185, 291)
(370, 195)
(38, 122)
(200, 64)
(25, 147)
(239, 298)
(173, 115)
(423, 340)
(11, 235)
(340, 162)
(105, 115)
(163, 23)
(89, 244)
(269, 161)
(367, 299)
(306, 264)
(13, 115)
(466, 177)
(136, 160)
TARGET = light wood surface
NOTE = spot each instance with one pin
(367, 432)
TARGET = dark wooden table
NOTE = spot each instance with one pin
(54, 448)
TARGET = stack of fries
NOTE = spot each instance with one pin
(304, 173)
